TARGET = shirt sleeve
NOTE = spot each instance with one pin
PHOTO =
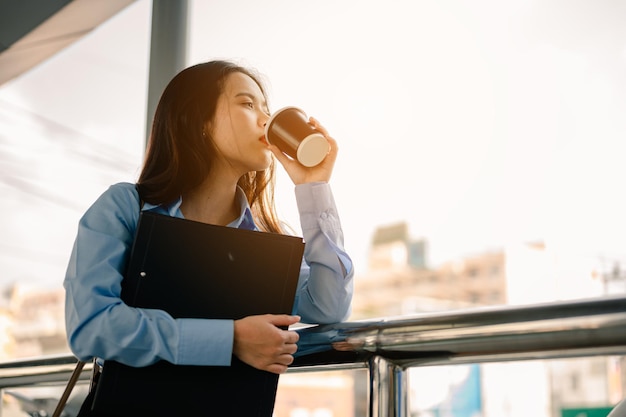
(325, 287)
(100, 324)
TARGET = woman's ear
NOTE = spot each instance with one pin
(206, 129)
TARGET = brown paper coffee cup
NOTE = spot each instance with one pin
(289, 130)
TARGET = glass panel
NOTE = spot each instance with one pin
(40, 401)
(322, 394)
(579, 387)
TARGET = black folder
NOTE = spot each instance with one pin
(196, 270)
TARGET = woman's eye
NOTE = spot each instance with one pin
(250, 105)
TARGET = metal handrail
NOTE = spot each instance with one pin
(388, 346)
(587, 327)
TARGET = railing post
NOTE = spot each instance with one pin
(387, 389)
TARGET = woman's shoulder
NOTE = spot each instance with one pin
(119, 200)
(122, 189)
(121, 193)
(113, 215)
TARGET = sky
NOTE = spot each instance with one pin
(480, 124)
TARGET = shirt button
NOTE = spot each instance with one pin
(324, 215)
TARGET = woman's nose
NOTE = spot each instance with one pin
(264, 119)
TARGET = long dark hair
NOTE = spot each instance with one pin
(179, 157)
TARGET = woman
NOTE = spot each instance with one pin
(208, 161)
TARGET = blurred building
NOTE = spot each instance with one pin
(7, 343)
(399, 279)
(35, 321)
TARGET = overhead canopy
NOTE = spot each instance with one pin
(32, 31)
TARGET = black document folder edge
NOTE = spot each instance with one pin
(125, 390)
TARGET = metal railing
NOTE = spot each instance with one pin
(389, 346)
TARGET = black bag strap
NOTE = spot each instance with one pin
(70, 385)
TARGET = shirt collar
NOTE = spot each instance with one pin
(172, 209)
(244, 221)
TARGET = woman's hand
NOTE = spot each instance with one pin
(260, 342)
(300, 174)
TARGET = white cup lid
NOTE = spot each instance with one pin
(313, 149)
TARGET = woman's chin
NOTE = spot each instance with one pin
(263, 164)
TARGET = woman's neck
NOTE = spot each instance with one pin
(213, 202)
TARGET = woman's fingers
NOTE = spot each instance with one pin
(261, 343)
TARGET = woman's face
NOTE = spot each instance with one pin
(238, 128)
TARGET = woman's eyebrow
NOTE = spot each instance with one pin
(249, 95)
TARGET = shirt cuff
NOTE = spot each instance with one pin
(205, 342)
(315, 202)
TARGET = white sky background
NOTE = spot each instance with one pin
(479, 123)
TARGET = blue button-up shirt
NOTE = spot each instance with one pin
(100, 325)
